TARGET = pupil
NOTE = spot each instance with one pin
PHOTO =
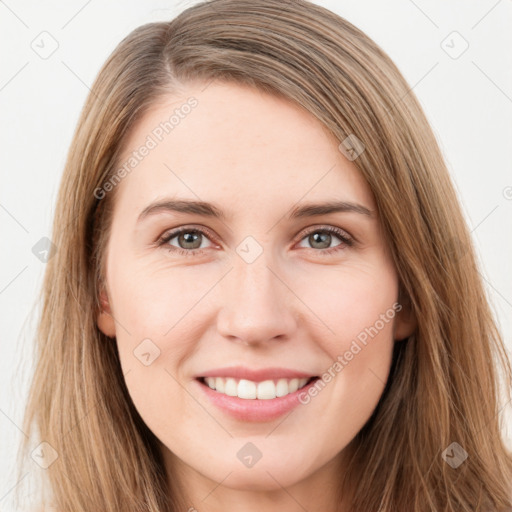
(317, 238)
(190, 238)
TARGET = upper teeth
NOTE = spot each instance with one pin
(248, 389)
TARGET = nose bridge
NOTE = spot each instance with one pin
(255, 287)
(255, 307)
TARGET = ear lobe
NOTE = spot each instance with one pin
(405, 322)
(105, 319)
(105, 306)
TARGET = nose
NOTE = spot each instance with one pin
(257, 306)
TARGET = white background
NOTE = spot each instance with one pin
(468, 101)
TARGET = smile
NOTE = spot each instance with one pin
(250, 390)
(254, 394)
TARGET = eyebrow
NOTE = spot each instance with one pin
(210, 210)
(310, 210)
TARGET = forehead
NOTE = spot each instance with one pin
(238, 147)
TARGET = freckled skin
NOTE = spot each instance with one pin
(255, 157)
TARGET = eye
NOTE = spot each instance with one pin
(322, 237)
(190, 240)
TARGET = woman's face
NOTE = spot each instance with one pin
(260, 289)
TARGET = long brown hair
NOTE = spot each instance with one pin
(445, 385)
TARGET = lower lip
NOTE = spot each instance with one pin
(254, 409)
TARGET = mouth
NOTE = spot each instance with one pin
(255, 400)
(255, 394)
(251, 390)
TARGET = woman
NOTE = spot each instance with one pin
(198, 350)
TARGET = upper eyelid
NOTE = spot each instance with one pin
(323, 227)
(172, 233)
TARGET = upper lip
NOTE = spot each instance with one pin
(256, 375)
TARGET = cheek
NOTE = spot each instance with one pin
(352, 303)
(156, 337)
(156, 304)
(358, 306)
(159, 310)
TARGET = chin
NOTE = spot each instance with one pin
(260, 480)
(266, 475)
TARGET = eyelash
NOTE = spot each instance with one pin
(346, 241)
